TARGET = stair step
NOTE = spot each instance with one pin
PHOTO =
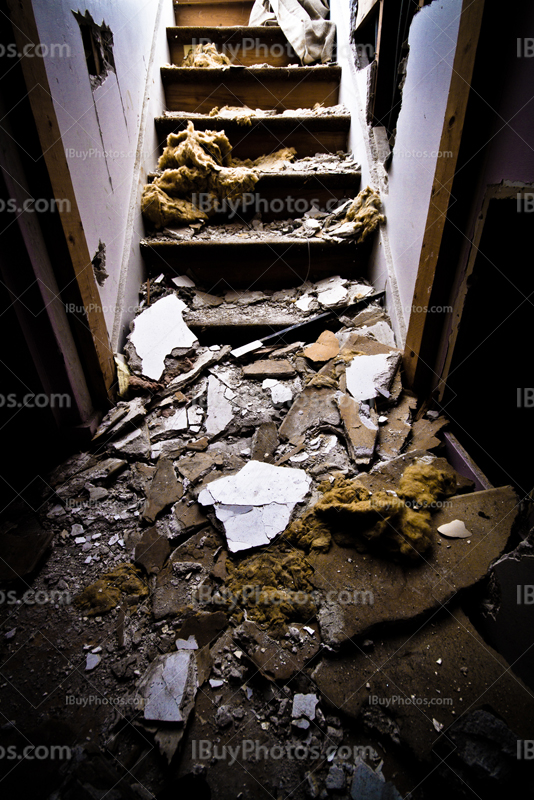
(199, 90)
(266, 263)
(308, 134)
(210, 12)
(244, 46)
(280, 195)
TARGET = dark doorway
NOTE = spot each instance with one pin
(487, 396)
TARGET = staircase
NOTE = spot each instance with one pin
(265, 74)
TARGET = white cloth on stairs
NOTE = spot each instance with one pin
(304, 23)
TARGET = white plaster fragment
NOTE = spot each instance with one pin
(454, 530)
(304, 302)
(281, 394)
(366, 375)
(169, 687)
(157, 331)
(255, 505)
(183, 280)
(220, 411)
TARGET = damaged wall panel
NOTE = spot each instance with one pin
(101, 121)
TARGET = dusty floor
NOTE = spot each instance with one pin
(319, 664)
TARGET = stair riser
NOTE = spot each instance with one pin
(212, 13)
(245, 50)
(280, 198)
(247, 265)
(264, 137)
(199, 93)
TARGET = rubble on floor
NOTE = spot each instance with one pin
(182, 221)
(267, 535)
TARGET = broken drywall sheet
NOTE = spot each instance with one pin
(157, 331)
(170, 686)
(220, 410)
(368, 376)
(255, 505)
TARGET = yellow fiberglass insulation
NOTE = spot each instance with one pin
(274, 162)
(273, 588)
(205, 56)
(198, 174)
(396, 525)
(363, 215)
(164, 211)
(423, 485)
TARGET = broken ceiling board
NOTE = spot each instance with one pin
(256, 503)
(392, 436)
(152, 551)
(135, 444)
(103, 470)
(120, 418)
(312, 407)
(205, 359)
(368, 376)
(169, 687)
(156, 331)
(199, 90)
(383, 591)
(164, 490)
(444, 658)
(167, 427)
(425, 433)
(189, 517)
(360, 424)
(193, 467)
(264, 442)
(220, 410)
(325, 348)
(279, 368)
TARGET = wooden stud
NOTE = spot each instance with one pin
(464, 60)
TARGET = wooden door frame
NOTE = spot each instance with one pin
(419, 325)
(97, 356)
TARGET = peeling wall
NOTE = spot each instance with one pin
(405, 191)
(108, 132)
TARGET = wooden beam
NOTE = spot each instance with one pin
(416, 371)
(101, 368)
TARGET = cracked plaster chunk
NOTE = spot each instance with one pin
(167, 427)
(220, 411)
(332, 291)
(368, 375)
(157, 331)
(169, 687)
(255, 505)
(304, 706)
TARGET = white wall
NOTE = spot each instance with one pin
(115, 119)
(405, 192)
